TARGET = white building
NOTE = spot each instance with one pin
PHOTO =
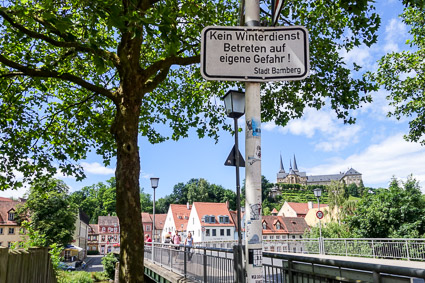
(211, 222)
(177, 219)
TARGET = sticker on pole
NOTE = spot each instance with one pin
(319, 214)
(255, 53)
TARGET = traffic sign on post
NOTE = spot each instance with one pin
(319, 214)
(255, 53)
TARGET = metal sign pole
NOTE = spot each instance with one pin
(253, 211)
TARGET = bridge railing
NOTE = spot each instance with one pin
(405, 249)
(202, 264)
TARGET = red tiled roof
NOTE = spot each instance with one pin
(302, 208)
(95, 228)
(108, 220)
(274, 210)
(146, 218)
(5, 208)
(288, 225)
(180, 215)
(159, 220)
(271, 221)
(295, 224)
(5, 199)
(212, 208)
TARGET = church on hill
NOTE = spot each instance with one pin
(294, 176)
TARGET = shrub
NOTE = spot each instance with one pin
(108, 262)
(74, 277)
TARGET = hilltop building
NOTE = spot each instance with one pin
(294, 176)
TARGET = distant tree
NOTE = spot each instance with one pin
(198, 191)
(96, 200)
(146, 202)
(353, 190)
(336, 197)
(398, 211)
(330, 230)
(50, 211)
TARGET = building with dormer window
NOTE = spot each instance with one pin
(10, 231)
(176, 219)
(211, 222)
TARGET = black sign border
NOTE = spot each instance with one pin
(255, 78)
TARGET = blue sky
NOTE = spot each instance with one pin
(374, 146)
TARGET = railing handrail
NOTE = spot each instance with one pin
(380, 268)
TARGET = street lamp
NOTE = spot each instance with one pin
(317, 194)
(154, 185)
(234, 103)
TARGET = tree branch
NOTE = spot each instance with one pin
(54, 74)
(168, 62)
(64, 44)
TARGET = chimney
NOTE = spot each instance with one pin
(310, 205)
(227, 204)
(188, 207)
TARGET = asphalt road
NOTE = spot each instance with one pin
(94, 263)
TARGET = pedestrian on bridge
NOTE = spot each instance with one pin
(189, 244)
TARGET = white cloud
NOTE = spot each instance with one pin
(97, 168)
(334, 135)
(380, 162)
(18, 193)
(394, 29)
(359, 55)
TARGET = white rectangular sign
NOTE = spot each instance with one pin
(255, 53)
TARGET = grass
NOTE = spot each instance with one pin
(81, 277)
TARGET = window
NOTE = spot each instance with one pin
(148, 227)
(214, 232)
(115, 229)
(293, 236)
(271, 237)
(301, 237)
(1, 231)
(9, 244)
(11, 230)
(278, 225)
(212, 218)
(264, 237)
(103, 229)
(277, 237)
(207, 232)
(103, 238)
(228, 232)
(221, 232)
(264, 225)
(1, 244)
(115, 238)
(11, 216)
(22, 231)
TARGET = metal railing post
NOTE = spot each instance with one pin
(346, 248)
(407, 249)
(185, 261)
(205, 265)
(373, 249)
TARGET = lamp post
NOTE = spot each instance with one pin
(234, 102)
(154, 185)
(317, 194)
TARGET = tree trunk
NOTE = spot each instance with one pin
(128, 190)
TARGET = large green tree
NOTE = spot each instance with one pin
(96, 200)
(396, 212)
(80, 75)
(50, 212)
(402, 74)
